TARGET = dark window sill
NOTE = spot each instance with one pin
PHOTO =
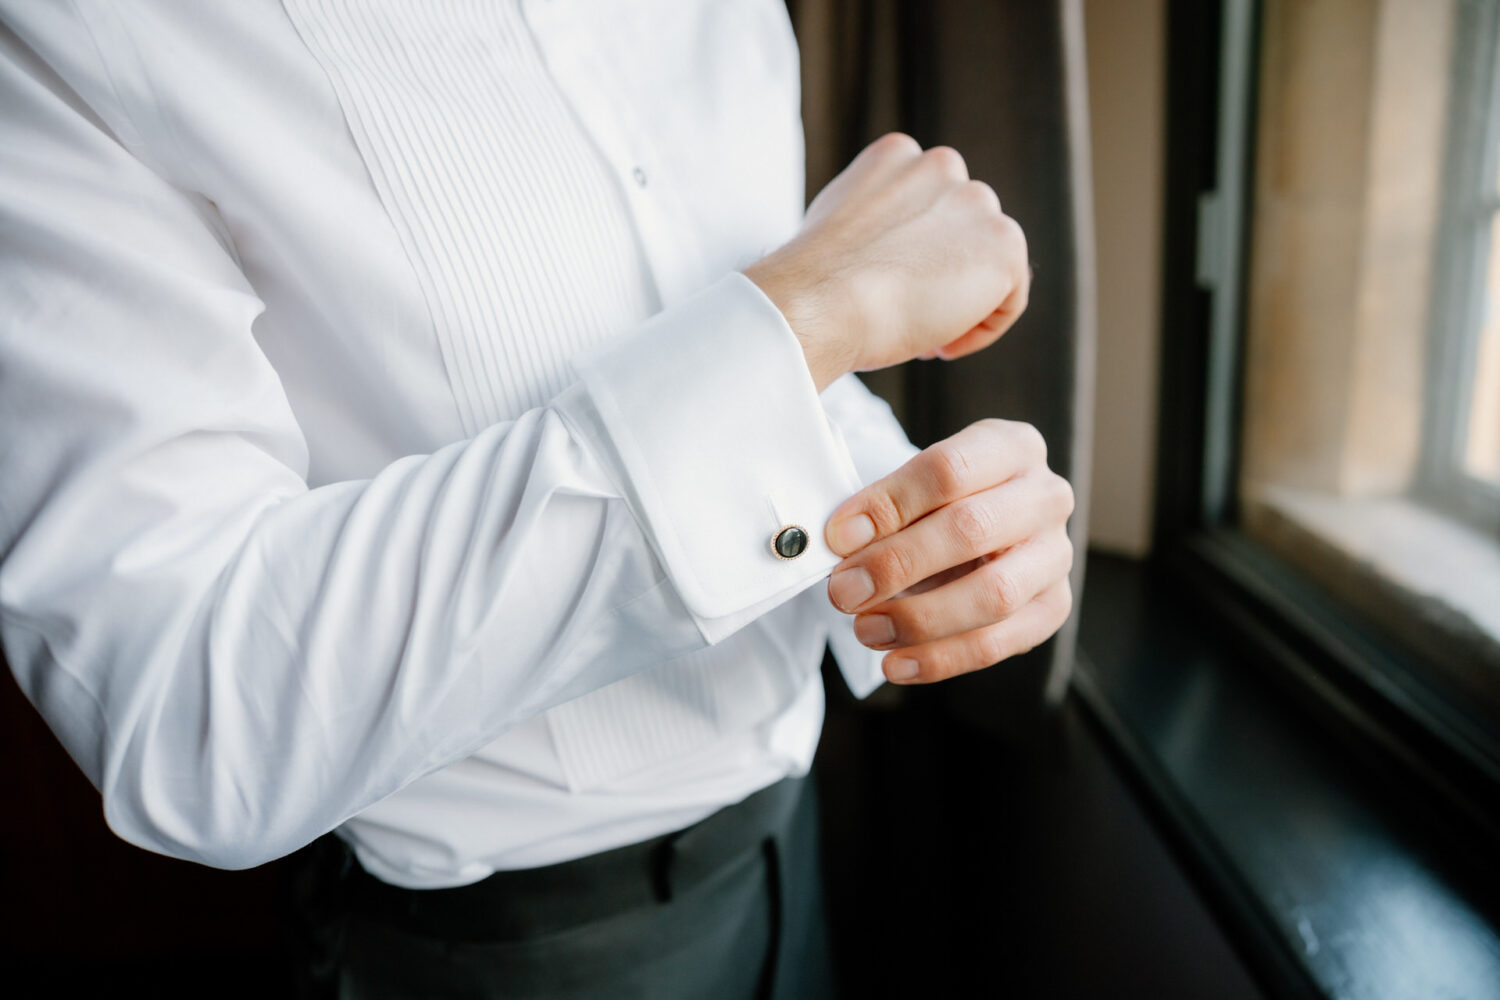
(1432, 580)
(1332, 874)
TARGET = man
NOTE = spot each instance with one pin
(407, 434)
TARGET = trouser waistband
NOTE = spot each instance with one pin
(525, 903)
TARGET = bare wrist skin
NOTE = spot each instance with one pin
(820, 325)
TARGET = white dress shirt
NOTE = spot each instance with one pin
(387, 439)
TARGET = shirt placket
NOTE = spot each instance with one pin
(583, 75)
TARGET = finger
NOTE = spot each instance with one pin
(995, 590)
(979, 456)
(1013, 239)
(983, 647)
(965, 529)
(948, 575)
(995, 326)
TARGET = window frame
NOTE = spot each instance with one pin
(1471, 205)
(1358, 676)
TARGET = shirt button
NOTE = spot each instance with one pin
(640, 176)
(790, 542)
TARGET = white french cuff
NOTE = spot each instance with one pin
(710, 421)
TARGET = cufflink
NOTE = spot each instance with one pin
(790, 542)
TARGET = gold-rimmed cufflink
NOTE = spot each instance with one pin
(790, 542)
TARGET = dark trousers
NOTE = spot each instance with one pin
(728, 908)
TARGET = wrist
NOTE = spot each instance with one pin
(823, 327)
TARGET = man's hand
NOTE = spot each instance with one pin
(960, 558)
(900, 256)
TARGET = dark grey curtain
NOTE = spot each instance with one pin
(1003, 82)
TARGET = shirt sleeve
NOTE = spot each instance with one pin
(865, 425)
(239, 662)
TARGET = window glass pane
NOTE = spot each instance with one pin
(1481, 453)
(1370, 439)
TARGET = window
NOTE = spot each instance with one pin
(1366, 340)
(1305, 680)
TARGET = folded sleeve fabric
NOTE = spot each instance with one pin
(875, 442)
(717, 434)
(240, 662)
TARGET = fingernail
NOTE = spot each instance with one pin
(850, 534)
(900, 669)
(875, 630)
(850, 588)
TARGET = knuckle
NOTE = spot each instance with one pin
(939, 663)
(896, 144)
(1061, 596)
(1065, 602)
(1027, 440)
(991, 647)
(947, 161)
(949, 467)
(991, 432)
(1065, 547)
(1002, 595)
(882, 509)
(981, 196)
(1010, 231)
(973, 524)
(891, 569)
(1020, 298)
(914, 623)
(1062, 491)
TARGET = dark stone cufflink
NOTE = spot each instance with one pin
(790, 542)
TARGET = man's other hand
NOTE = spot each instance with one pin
(900, 256)
(960, 558)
